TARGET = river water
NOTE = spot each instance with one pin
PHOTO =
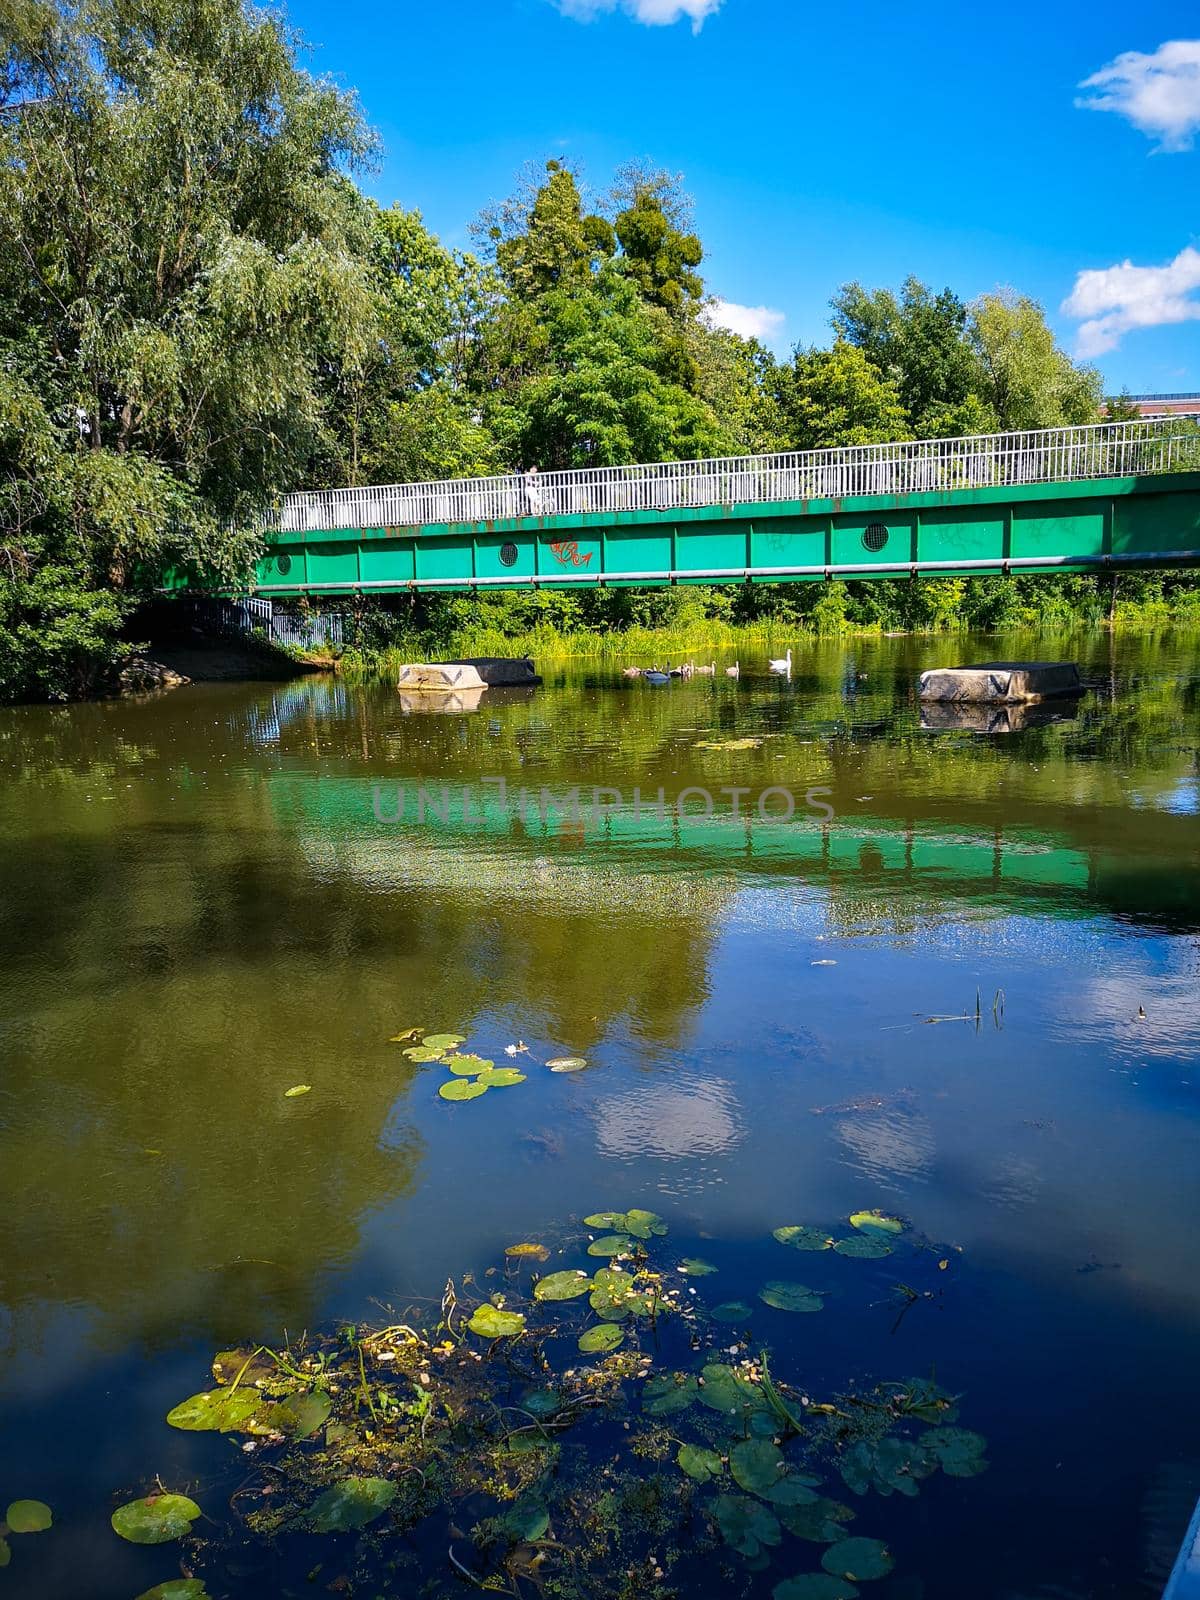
(959, 985)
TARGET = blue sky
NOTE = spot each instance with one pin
(826, 143)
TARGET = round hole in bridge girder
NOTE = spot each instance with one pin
(284, 564)
(508, 554)
(875, 536)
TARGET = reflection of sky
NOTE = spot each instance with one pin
(1184, 798)
(669, 1120)
(888, 1147)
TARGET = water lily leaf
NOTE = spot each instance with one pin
(700, 1464)
(801, 1238)
(422, 1053)
(611, 1244)
(665, 1395)
(793, 1490)
(876, 1222)
(442, 1041)
(530, 1252)
(756, 1465)
(297, 1090)
(696, 1267)
(726, 1391)
(746, 1525)
(615, 1297)
(157, 1519)
(818, 1522)
(301, 1415)
(218, 1411)
(790, 1297)
(889, 1466)
(244, 1366)
(462, 1089)
(5, 1552)
(958, 1450)
(864, 1247)
(527, 1520)
(567, 1064)
(643, 1224)
(469, 1066)
(406, 1035)
(28, 1516)
(604, 1336)
(608, 1220)
(351, 1504)
(177, 1589)
(732, 1311)
(923, 1399)
(814, 1586)
(501, 1078)
(562, 1286)
(858, 1559)
(542, 1402)
(492, 1323)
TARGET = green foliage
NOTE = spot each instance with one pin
(1027, 380)
(835, 397)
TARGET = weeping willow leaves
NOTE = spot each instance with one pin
(700, 1464)
(28, 1516)
(562, 1286)
(858, 1560)
(491, 1323)
(351, 1504)
(156, 1519)
(746, 1525)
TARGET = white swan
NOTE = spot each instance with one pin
(735, 671)
(782, 666)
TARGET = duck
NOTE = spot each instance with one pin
(708, 671)
(735, 671)
(784, 665)
(655, 675)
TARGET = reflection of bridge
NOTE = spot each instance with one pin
(1075, 499)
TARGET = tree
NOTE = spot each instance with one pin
(1027, 380)
(835, 397)
(918, 341)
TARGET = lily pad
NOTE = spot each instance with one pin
(725, 1391)
(746, 1525)
(958, 1451)
(665, 1395)
(301, 1415)
(177, 1589)
(422, 1053)
(790, 1297)
(611, 1244)
(889, 1466)
(156, 1519)
(567, 1064)
(604, 1336)
(643, 1224)
(501, 1078)
(5, 1552)
(609, 1220)
(442, 1041)
(406, 1035)
(864, 1246)
(527, 1520)
(756, 1465)
(462, 1089)
(562, 1286)
(876, 1222)
(793, 1490)
(528, 1252)
(818, 1522)
(296, 1090)
(814, 1586)
(218, 1411)
(858, 1560)
(492, 1323)
(614, 1296)
(351, 1504)
(242, 1366)
(28, 1516)
(732, 1311)
(700, 1464)
(924, 1399)
(469, 1066)
(696, 1267)
(801, 1238)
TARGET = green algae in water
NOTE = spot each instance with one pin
(155, 1519)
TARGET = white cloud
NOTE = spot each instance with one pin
(655, 13)
(1159, 93)
(1114, 300)
(751, 322)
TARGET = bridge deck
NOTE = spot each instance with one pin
(1070, 497)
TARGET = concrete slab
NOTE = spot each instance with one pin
(437, 677)
(1002, 682)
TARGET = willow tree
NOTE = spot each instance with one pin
(181, 262)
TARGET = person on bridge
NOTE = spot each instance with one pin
(533, 492)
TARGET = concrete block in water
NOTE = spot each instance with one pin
(437, 677)
(1002, 682)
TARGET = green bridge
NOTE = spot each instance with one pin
(1116, 495)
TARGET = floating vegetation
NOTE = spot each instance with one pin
(873, 1238)
(567, 1064)
(593, 1432)
(804, 1238)
(746, 743)
(28, 1516)
(875, 1222)
(297, 1090)
(177, 1589)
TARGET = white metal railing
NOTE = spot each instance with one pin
(923, 466)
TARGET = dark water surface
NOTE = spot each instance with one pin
(201, 907)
